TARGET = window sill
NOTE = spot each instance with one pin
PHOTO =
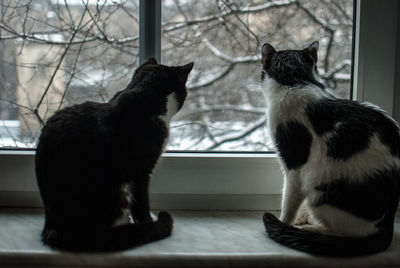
(180, 181)
(200, 239)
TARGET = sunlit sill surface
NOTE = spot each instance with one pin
(199, 239)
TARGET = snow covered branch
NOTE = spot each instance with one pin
(219, 54)
(241, 134)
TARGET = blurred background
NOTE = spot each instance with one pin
(56, 53)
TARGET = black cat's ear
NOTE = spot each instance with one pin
(266, 53)
(313, 50)
(186, 69)
(151, 60)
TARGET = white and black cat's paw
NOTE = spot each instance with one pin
(146, 218)
(153, 216)
(303, 218)
(164, 224)
(316, 228)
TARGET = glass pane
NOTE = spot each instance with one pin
(225, 109)
(54, 53)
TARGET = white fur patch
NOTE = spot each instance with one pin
(284, 103)
(126, 217)
(342, 223)
(172, 109)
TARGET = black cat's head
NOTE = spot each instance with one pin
(160, 89)
(291, 67)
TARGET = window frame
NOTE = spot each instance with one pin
(232, 181)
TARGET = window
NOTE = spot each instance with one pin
(225, 110)
(190, 179)
(57, 53)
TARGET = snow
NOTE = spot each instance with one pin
(192, 136)
(188, 136)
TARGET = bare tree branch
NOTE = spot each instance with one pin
(97, 51)
(240, 135)
(173, 26)
(339, 67)
(36, 110)
(205, 83)
(317, 20)
(219, 54)
(225, 108)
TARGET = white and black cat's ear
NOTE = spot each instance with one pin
(151, 60)
(186, 69)
(266, 52)
(313, 50)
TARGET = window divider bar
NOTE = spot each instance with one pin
(149, 30)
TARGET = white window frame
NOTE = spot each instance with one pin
(241, 181)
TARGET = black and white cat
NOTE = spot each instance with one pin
(94, 160)
(340, 158)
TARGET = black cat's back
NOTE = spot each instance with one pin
(73, 165)
(94, 160)
(81, 166)
(69, 149)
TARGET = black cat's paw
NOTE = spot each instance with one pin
(164, 223)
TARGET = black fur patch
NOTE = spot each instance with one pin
(291, 68)
(293, 142)
(389, 135)
(369, 200)
(351, 125)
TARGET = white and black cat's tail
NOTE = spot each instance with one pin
(327, 245)
(116, 238)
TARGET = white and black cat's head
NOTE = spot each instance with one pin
(291, 68)
(158, 89)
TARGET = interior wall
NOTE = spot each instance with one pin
(396, 101)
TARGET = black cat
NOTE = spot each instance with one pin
(94, 160)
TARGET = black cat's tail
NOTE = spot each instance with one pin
(326, 245)
(116, 238)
